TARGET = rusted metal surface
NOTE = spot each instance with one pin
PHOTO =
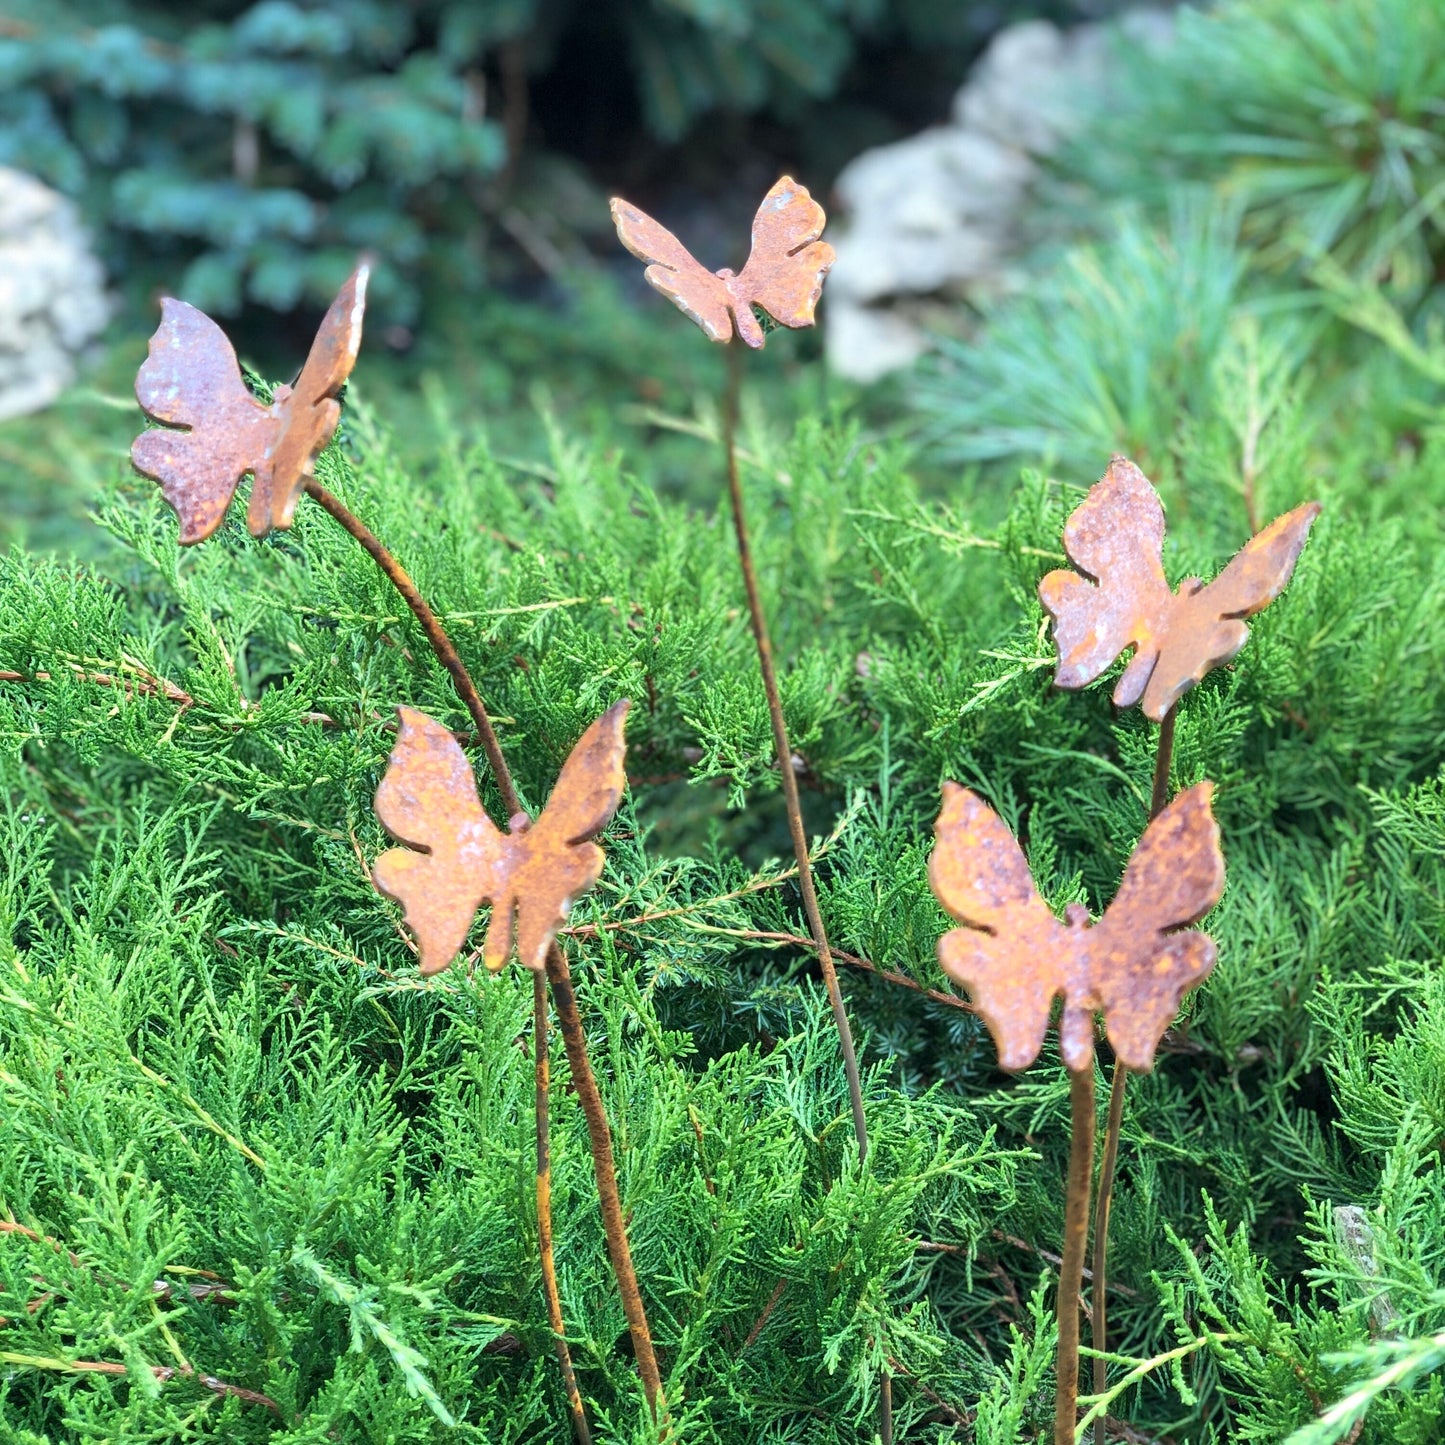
(1076, 1242)
(214, 431)
(1115, 539)
(783, 275)
(1133, 965)
(531, 874)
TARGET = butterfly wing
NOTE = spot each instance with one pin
(562, 861)
(1206, 628)
(1141, 967)
(787, 263)
(455, 859)
(1009, 952)
(191, 379)
(672, 270)
(309, 412)
(1115, 538)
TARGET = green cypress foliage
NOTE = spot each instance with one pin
(198, 976)
(274, 1159)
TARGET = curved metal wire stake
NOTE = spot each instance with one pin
(1104, 1200)
(1133, 966)
(784, 753)
(455, 859)
(1082, 1126)
(783, 277)
(447, 655)
(1118, 600)
(542, 1072)
(213, 432)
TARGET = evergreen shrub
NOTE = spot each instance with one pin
(219, 1066)
(1272, 145)
(253, 147)
(241, 1140)
(1323, 121)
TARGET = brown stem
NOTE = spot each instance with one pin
(766, 1315)
(1076, 1241)
(542, 1064)
(951, 1413)
(785, 753)
(216, 1288)
(557, 972)
(600, 1136)
(1099, 1323)
(441, 644)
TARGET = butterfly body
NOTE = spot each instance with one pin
(783, 275)
(213, 431)
(456, 859)
(1133, 965)
(1119, 600)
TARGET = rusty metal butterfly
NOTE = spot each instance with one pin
(783, 275)
(214, 431)
(1133, 965)
(1115, 538)
(456, 859)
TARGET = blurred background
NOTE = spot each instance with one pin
(1064, 227)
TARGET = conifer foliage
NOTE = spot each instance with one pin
(252, 147)
(265, 1177)
(218, 1055)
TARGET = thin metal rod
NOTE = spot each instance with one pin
(441, 644)
(1099, 1322)
(582, 1076)
(1163, 762)
(543, 1068)
(1076, 1243)
(1103, 1208)
(613, 1224)
(785, 754)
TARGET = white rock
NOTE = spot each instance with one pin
(937, 214)
(1020, 90)
(52, 293)
(927, 212)
(865, 343)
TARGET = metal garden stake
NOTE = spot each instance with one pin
(456, 859)
(213, 432)
(783, 278)
(1118, 600)
(1133, 966)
